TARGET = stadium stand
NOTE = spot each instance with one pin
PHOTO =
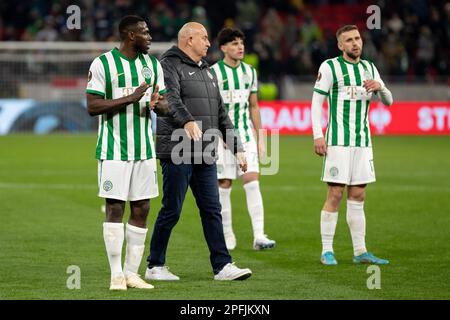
(289, 37)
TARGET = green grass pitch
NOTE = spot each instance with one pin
(51, 219)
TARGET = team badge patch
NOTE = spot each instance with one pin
(107, 185)
(368, 75)
(146, 73)
(319, 76)
(334, 171)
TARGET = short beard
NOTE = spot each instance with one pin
(143, 49)
(351, 55)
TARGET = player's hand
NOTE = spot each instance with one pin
(139, 92)
(371, 85)
(242, 161)
(155, 97)
(320, 146)
(225, 146)
(193, 131)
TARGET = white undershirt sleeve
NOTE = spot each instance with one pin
(385, 96)
(384, 93)
(316, 114)
(322, 87)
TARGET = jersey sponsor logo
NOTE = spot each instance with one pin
(125, 92)
(334, 172)
(351, 91)
(107, 185)
(147, 73)
(235, 96)
(119, 74)
(355, 93)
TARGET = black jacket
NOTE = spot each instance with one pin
(193, 95)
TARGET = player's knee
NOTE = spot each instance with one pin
(357, 194)
(142, 206)
(114, 210)
(225, 183)
(335, 196)
(140, 209)
(250, 177)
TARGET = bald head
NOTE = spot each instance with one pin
(193, 40)
(188, 30)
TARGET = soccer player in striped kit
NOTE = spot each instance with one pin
(123, 85)
(348, 82)
(238, 84)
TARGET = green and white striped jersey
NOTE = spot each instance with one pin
(348, 101)
(125, 135)
(236, 85)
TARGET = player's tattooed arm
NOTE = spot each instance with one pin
(97, 105)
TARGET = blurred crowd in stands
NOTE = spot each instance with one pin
(290, 37)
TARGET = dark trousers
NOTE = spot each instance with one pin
(202, 179)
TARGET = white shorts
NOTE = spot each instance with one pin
(348, 165)
(227, 166)
(127, 180)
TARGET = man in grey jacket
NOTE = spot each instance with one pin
(195, 109)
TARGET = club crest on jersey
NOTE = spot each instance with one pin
(146, 73)
(368, 75)
(246, 79)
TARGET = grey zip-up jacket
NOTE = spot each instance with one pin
(193, 95)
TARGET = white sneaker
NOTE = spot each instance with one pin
(134, 281)
(118, 282)
(231, 272)
(160, 273)
(230, 241)
(263, 243)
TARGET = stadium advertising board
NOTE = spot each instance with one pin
(402, 118)
(290, 117)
